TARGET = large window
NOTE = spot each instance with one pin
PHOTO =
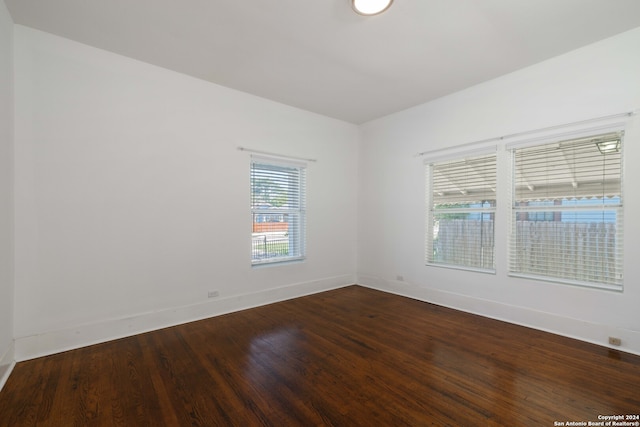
(278, 211)
(567, 211)
(461, 196)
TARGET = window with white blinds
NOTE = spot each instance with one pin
(567, 211)
(461, 201)
(278, 211)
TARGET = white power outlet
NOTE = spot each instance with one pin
(213, 294)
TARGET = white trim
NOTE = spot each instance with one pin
(279, 260)
(462, 267)
(449, 154)
(7, 363)
(276, 155)
(278, 161)
(546, 130)
(561, 281)
(573, 134)
(580, 124)
(56, 341)
(594, 333)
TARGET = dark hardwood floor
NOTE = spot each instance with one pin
(348, 357)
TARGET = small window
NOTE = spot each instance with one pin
(277, 210)
(461, 196)
(567, 211)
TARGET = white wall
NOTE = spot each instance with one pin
(132, 200)
(6, 192)
(598, 80)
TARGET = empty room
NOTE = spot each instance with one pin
(337, 212)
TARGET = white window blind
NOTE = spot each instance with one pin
(567, 211)
(278, 211)
(461, 201)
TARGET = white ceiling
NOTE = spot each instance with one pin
(320, 56)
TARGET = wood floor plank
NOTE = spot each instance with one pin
(353, 356)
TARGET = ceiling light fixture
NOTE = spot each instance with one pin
(370, 7)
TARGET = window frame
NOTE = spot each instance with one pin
(432, 211)
(517, 211)
(296, 229)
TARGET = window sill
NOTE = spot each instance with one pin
(280, 261)
(559, 281)
(462, 267)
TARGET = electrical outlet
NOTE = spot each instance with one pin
(615, 341)
(213, 294)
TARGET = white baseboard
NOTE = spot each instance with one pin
(52, 342)
(31, 347)
(7, 363)
(549, 322)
